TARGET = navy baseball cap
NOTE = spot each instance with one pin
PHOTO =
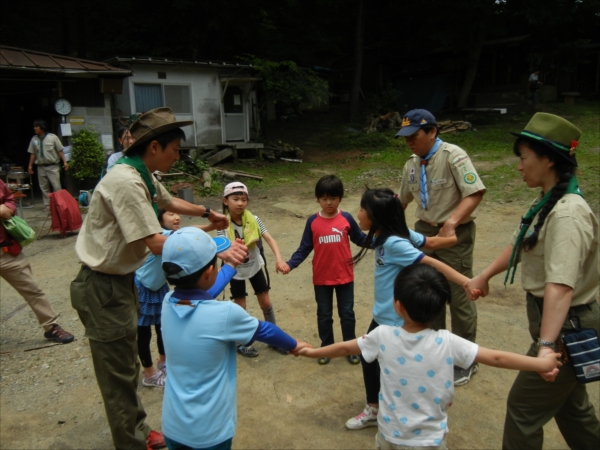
(413, 120)
(192, 249)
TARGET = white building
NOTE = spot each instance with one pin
(220, 98)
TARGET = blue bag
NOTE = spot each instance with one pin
(583, 349)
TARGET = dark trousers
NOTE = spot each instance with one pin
(533, 402)
(463, 312)
(371, 373)
(108, 309)
(144, 337)
(174, 445)
(345, 306)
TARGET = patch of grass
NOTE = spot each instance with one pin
(377, 159)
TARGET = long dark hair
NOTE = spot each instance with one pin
(386, 213)
(563, 169)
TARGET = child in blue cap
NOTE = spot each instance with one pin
(200, 336)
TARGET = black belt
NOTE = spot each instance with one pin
(50, 164)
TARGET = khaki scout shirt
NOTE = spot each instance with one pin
(51, 146)
(566, 251)
(450, 177)
(120, 215)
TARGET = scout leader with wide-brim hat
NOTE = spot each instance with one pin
(119, 232)
(557, 246)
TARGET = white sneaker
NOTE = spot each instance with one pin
(156, 380)
(367, 418)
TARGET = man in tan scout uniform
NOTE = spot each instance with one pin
(46, 151)
(442, 180)
(119, 232)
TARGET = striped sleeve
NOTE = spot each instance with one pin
(261, 226)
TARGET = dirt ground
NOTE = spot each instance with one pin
(49, 397)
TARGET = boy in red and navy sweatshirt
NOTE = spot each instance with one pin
(328, 233)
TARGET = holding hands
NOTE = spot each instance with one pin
(553, 363)
(235, 254)
(478, 283)
(283, 267)
(301, 346)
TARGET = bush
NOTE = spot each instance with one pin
(87, 155)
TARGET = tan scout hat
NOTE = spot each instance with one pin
(152, 124)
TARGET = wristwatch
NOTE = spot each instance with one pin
(542, 343)
(206, 213)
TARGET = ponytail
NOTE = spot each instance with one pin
(557, 192)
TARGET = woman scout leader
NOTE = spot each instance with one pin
(557, 245)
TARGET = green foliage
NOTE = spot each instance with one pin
(87, 155)
(193, 168)
(288, 83)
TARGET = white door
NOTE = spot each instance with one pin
(235, 120)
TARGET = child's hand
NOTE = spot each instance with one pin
(476, 285)
(472, 293)
(449, 240)
(554, 359)
(301, 346)
(283, 268)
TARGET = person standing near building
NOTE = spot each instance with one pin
(442, 180)
(46, 151)
(119, 232)
(534, 83)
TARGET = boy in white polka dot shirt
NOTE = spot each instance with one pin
(417, 363)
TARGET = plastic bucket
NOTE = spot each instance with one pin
(186, 194)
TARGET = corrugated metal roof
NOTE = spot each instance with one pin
(21, 59)
(177, 62)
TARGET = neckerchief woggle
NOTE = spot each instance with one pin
(137, 163)
(527, 220)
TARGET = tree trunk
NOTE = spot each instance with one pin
(358, 61)
(472, 64)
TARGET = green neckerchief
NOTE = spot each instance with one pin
(137, 163)
(527, 220)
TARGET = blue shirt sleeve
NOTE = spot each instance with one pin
(356, 234)
(417, 238)
(306, 245)
(274, 336)
(223, 278)
(240, 326)
(403, 252)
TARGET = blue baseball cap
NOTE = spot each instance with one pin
(192, 249)
(414, 120)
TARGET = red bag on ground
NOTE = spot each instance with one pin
(65, 212)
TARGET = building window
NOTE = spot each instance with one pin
(147, 97)
(150, 96)
(177, 98)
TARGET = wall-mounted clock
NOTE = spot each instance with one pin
(62, 106)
